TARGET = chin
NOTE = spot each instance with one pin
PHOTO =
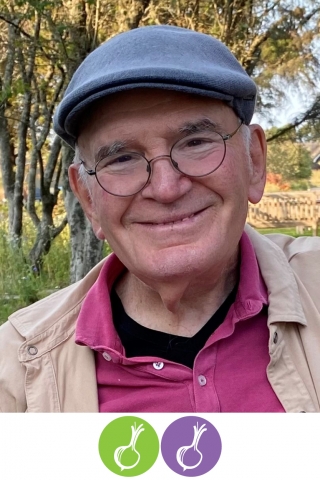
(177, 262)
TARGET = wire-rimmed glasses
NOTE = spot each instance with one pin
(126, 173)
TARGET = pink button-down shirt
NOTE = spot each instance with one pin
(229, 373)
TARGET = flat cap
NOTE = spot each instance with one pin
(159, 56)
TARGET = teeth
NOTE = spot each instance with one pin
(177, 221)
(187, 218)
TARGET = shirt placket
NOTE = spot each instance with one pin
(204, 391)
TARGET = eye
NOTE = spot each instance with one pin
(125, 158)
(122, 159)
(196, 142)
(119, 162)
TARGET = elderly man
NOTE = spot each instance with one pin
(193, 312)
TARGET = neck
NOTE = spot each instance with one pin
(180, 306)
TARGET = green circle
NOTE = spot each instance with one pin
(128, 446)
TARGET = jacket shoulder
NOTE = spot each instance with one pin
(296, 246)
(303, 257)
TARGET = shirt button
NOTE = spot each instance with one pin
(158, 365)
(106, 356)
(275, 338)
(202, 380)
(32, 350)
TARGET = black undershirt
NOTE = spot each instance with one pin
(139, 341)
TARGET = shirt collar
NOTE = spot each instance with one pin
(94, 326)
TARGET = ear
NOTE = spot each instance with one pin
(258, 153)
(81, 191)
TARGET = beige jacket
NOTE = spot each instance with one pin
(43, 370)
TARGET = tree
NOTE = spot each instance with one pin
(275, 41)
(289, 159)
(307, 121)
(34, 75)
(28, 97)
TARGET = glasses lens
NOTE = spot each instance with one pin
(123, 174)
(199, 154)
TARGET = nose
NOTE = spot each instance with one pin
(166, 184)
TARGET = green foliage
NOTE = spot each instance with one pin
(309, 132)
(5, 94)
(299, 185)
(18, 87)
(19, 285)
(291, 160)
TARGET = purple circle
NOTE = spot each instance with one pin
(191, 446)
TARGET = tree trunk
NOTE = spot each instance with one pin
(41, 245)
(7, 159)
(86, 249)
(7, 162)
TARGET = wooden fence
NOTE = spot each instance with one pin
(298, 209)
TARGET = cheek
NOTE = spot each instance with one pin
(233, 190)
(110, 211)
(237, 173)
(230, 182)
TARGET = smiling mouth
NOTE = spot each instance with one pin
(176, 222)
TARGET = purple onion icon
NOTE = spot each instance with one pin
(191, 446)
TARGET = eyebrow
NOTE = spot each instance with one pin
(110, 149)
(199, 126)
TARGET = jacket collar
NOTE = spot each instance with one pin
(283, 293)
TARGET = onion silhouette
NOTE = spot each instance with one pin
(194, 445)
(135, 432)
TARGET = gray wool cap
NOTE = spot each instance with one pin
(160, 56)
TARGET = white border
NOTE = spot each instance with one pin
(65, 446)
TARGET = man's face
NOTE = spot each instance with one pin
(176, 226)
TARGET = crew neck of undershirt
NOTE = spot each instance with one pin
(140, 341)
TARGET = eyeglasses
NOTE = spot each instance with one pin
(196, 155)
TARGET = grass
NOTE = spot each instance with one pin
(19, 286)
(285, 231)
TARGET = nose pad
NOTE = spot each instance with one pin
(175, 164)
